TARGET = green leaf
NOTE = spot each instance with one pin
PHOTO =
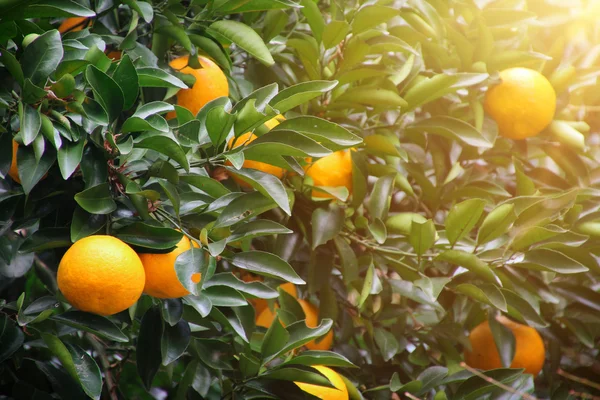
(334, 32)
(300, 334)
(254, 289)
(485, 293)
(299, 94)
(189, 263)
(327, 358)
(96, 324)
(274, 340)
(387, 343)
(298, 375)
(13, 66)
(88, 372)
(462, 218)
(31, 171)
(244, 37)
(166, 146)
(266, 264)
(451, 128)
(551, 260)
(11, 337)
(69, 157)
(256, 228)
(367, 285)
(126, 77)
(149, 236)
(97, 199)
(146, 118)
(31, 123)
(496, 223)
(223, 296)
(379, 201)
(373, 96)
(470, 262)
(504, 340)
(326, 224)
(156, 77)
(328, 134)
(149, 341)
(313, 15)
(58, 8)
(106, 92)
(422, 236)
(267, 184)
(520, 309)
(244, 207)
(46, 238)
(371, 16)
(174, 341)
(41, 57)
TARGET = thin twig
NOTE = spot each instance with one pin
(411, 396)
(496, 383)
(585, 396)
(111, 387)
(577, 379)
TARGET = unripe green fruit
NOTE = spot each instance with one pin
(29, 38)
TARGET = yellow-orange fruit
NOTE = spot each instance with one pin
(530, 352)
(523, 104)
(339, 393)
(243, 140)
(211, 83)
(266, 318)
(161, 277)
(101, 274)
(333, 170)
(73, 24)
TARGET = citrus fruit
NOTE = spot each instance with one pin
(210, 84)
(523, 104)
(333, 170)
(261, 304)
(101, 274)
(529, 347)
(161, 277)
(266, 318)
(247, 138)
(14, 169)
(114, 55)
(73, 24)
(339, 393)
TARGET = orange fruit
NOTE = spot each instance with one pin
(101, 274)
(243, 140)
(14, 169)
(211, 83)
(261, 304)
(114, 55)
(13, 172)
(339, 393)
(523, 104)
(73, 24)
(161, 277)
(266, 318)
(333, 170)
(529, 347)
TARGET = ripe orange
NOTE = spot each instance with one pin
(333, 170)
(73, 24)
(523, 104)
(14, 169)
(266, 318)
(325, 393)
(243, 140)
(529, 350)
(161, 277)
(261, 304)
(211, 83)
(101, 274)
(13, 172)
(114, 55)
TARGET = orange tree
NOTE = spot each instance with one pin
(393, 187)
